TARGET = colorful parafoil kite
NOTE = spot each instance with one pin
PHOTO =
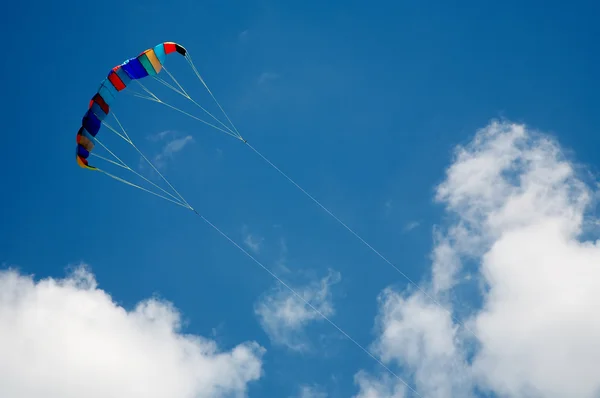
(148, 63)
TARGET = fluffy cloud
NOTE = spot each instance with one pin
(378, 387)
(67, 338)
(284, 316)
(252, 241)
(420, 337)
(519, 210)
(171, 148)
(307, 391)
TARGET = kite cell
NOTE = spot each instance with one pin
(148, 63)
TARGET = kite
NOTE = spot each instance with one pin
(148, 63)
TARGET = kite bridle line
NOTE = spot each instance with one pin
(235, 133)
(183, 203)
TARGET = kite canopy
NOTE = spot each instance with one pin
(148, 63)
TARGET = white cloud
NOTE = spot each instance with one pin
(67, 338)
(311, 391)
(173, 145)
(411, 225)
(252, 241)
(378, 387)
(161, 135)
(284, 316)
(519, 211)
(420, 336)
(177, 145)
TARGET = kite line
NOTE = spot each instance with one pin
(180, 200)
(235, 133)
(150, 63)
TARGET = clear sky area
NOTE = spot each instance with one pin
(316, 199)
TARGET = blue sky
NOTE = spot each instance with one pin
(362, 105)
